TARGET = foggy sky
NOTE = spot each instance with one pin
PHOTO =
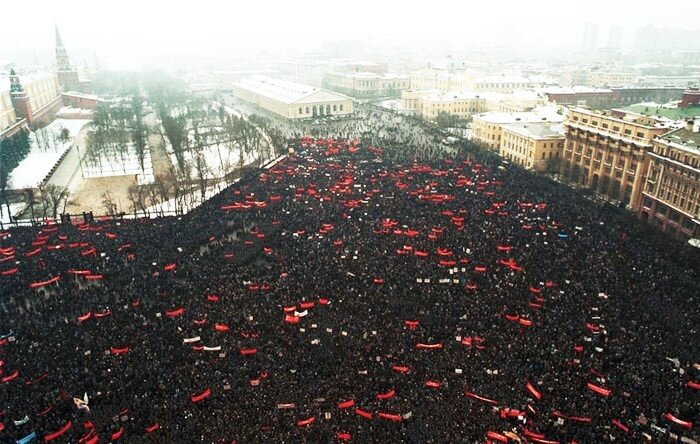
(145, 25)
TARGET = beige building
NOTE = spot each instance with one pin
(42, 89)
(671, 195)
(428, 104)
(290, 99)
(486, 127)
(605, 79)
(7, 111)
(502, 84)
(607, 151)
(366, 84)
(532, 145)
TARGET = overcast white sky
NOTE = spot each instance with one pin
(127, 25)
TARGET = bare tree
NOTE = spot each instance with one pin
(109, 203)
(52, 196)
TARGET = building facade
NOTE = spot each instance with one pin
(532, 145)
(606, 79)
(291, 100)
(607, 152)
(7, 111)
(671, 195)
(366, 84)
(487, 127)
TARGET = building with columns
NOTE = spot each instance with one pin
(290, 99)
(671, 194)
(607, 151)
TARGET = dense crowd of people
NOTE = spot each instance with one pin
(341, 296)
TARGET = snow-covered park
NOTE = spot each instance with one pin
(125, 163)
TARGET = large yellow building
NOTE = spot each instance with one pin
(42, 89)
(671, 195)
(532, 145)
(290, 99)
(486, 127)
(607, 151)
(428, 104)
(366, 84)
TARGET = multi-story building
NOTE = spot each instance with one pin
(532, 145)
(502, 84)
(459, 103)
(366, 84)
(290, 99)
(429, 104)
(606, 151)
(606, 79)
(7, 111)
(35, 97)
(487, 127)
(671, 195)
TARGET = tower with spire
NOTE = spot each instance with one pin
(62, 60)
(19, 98)
(67, 75)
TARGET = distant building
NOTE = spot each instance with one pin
(671, 196)
(503, 84)
(67, 75)
(610, 97)
(290, 99)
(487, 127)
(532, 145)
(690, 97)
(606, 151)
(615, 38)
(590, 38)
(366, 84)
(607, 79)
(463, 104)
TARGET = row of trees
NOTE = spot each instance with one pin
(12, 151)
(118, 130)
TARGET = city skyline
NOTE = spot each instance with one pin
(305, 26)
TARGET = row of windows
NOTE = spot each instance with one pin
(309, 109)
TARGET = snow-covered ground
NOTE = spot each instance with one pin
(44, 153)
(15, 208)
(219, 159)
(107, 166)
(392, 104)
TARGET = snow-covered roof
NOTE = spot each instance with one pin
(575, 90)
(501, 79)
(284, 91)
(536, 130)
(80, 95)
(541, 114)
(450, 96)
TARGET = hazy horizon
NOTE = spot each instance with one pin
(209, 26)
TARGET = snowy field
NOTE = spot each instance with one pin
(219, 159)
(44, 153)
(126, 165)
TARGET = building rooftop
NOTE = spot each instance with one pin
(575, 90)
(278, 89)
(541, 114)
(536, 130)
(684, 137)
(449, 96)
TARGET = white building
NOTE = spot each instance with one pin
(290, 99)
